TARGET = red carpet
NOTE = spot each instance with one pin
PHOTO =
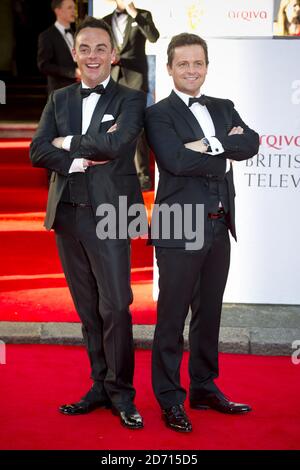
(37, 379)
(32, 286)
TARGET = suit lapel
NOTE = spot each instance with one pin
(127, 31)
(216, 115)
(75, 110)
(187, 115)
(213, 109)
(61, 40)
(102, 105)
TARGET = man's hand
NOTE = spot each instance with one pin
(87, 163)
(130, 8)
(236, 130)
(113, 128)
(57, 142)
(197, 146)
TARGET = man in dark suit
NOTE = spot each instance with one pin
(55, 46)
(87, 137)
(193, 138)
(131, 28)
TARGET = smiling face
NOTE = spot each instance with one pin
(188, 68)
(94, 54)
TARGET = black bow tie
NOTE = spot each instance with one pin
(118, 13)
(69, 31)
(87, 91)
(201, 100)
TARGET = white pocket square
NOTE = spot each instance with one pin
(134, 23)
(107, 117)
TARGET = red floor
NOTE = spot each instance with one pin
(32, 286)
(37, 379)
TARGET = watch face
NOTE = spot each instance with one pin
(206, 142)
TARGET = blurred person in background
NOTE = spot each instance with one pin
(54, 57)
(131, 28)
(288, 18)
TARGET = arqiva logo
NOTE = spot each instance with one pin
(248, 15)
(279, 141)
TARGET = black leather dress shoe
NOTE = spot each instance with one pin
(129, 418)
(83, 407)
(177, 419)
(219, 403)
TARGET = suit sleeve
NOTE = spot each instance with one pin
(46, 59)
(170, 152)
(239, 146)
(42, 153)
(147, 26)
(100, 146)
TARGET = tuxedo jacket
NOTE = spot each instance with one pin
(62, 116)
(55, 60)
(132, 70)
(185, 176)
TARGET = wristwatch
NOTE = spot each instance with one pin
(205, 141)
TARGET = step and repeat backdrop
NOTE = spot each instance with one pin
(261, 76)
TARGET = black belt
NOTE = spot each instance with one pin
(77, 204)
(214, 177)
(217, 215)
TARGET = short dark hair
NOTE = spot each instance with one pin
(185, 39)
(56, 4)
(91, 22)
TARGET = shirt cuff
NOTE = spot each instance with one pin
(66, 145)
(228, 165)
(77, 166)
(216, 146)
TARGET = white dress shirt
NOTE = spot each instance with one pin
(68, 37)
(202, 115)
(88, 107)
(119, 23)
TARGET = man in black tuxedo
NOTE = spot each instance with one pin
(87, 137)
(131, 28)
(194, 139)
(55, 46)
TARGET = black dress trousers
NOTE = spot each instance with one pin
(98, 276)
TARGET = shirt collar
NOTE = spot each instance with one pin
(185, 98)
(60, 27)
(104, 83)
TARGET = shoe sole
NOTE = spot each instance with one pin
(84, 412)
(174, 428)
(116, 413)
(178, 429)
(206, 407)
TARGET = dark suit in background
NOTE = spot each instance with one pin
(132, 69)
(55, 59)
